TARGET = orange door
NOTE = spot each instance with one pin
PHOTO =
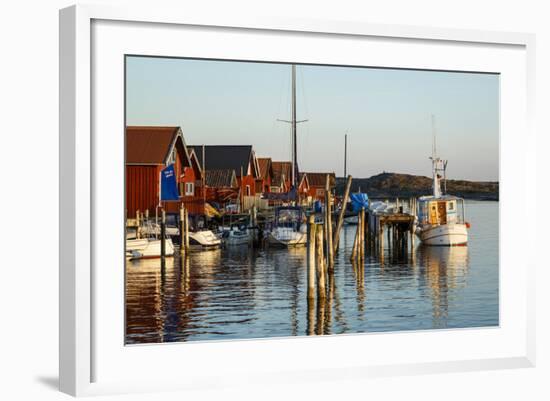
(433, 213)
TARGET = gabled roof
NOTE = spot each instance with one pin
(220, 178)
(153, 145)
(264, 163)
(195, 162)
(227, 157)
(281, 171)
(302, 177)
(320, 179)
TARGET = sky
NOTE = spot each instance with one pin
(387, 113)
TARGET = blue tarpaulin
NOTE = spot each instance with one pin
(317, 206)
(168, 185)
(359, 201)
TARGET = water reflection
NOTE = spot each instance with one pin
(243, 293)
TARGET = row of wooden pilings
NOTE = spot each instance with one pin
(322, 244)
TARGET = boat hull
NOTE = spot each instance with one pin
(150, 250)
(204, 239)
(287, 238)
(443, 235)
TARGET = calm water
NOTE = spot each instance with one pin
(240, 293)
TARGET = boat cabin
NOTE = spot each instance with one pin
(442, 210)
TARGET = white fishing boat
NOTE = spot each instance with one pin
(289, 229)
(204, 239)
(148, 248)
(441, 217)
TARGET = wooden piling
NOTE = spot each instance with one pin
(340, 223)
(138, 225)
(320, 262)
(361, 242)
(163, 235)
(186, 229)
(356, 240)
(182, 231)
(311, 236)
(328, 223)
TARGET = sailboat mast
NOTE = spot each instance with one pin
(293, 122)
(346, 155)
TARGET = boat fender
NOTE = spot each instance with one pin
(467, 225)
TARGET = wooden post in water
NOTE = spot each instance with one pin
(182, 231)
(328, 223)
(163, 235)
(340, 222)
(138, 225)
(320, 260)
(186, 229)
(356, 240)
(362, 238)
(311, 235)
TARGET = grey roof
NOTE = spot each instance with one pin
(220, 178)
(224, 157)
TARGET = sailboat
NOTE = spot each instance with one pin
(289, 228)
(441, 217)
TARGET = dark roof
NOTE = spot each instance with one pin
(225, 157)
(320, 179)
(265, 166)
(152, 145)
(220, 178)
(281, 170)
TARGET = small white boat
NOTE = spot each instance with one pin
(235, 236)
(204, 239)
(148, 248)
(441, 218)
(288, 229)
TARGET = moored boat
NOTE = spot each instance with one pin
(148, 248)
(441, 217)
(288, 229)
(204, 239)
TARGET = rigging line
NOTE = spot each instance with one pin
(305, 138)
(279, 103)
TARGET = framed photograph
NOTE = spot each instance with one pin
(272, 199)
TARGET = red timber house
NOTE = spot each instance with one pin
(317, 184)
(237, 158)
(263, 184)
(282, 172)
(148, 151)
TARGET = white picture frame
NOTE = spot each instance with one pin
(84, 348)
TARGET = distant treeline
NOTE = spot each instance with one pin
(392, 185)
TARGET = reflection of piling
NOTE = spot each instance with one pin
(362, 238)
(320, 261)
(311, 236)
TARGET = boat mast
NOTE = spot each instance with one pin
(293, 123)
(435, 163)
(346, 154)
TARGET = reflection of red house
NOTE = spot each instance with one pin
(317, 184)
(240, 159)
(263, 184)
(148, 151)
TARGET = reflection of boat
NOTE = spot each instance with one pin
(441, 216)
(204, 238)
(288, 229)
(147, 248)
